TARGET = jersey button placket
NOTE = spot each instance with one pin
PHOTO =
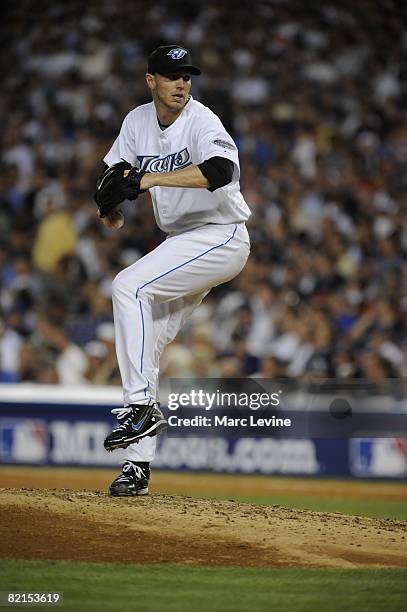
(163, 153)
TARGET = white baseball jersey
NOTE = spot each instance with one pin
(195, 136)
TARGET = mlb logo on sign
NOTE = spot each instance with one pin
(23, 441)
(378, 457)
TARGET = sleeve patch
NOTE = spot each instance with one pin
(224, 144)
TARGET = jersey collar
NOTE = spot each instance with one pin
(167, 129)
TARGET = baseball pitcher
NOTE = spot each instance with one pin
(178, 149)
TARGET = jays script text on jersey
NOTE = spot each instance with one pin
(174, 161)
(195, 136)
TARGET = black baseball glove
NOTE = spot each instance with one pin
(113, 187)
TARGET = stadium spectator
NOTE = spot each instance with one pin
(315, 97)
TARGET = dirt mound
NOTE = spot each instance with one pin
(90, 526)
(204, 485)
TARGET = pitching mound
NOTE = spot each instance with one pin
(90, 526)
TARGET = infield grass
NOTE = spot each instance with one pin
(169, 588)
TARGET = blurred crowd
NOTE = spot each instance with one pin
(315, 96)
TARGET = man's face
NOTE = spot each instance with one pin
(171, 90)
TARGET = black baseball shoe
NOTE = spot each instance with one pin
(132, 481)
(135, 422)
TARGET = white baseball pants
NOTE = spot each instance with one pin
(154, 297)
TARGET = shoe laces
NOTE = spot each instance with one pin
(124, 416)
(126, 413)
(128, 470)
(121, 413)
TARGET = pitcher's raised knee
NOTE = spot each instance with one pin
(130, 282)
(125, 282)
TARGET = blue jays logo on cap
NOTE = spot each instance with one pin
(177, 53)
